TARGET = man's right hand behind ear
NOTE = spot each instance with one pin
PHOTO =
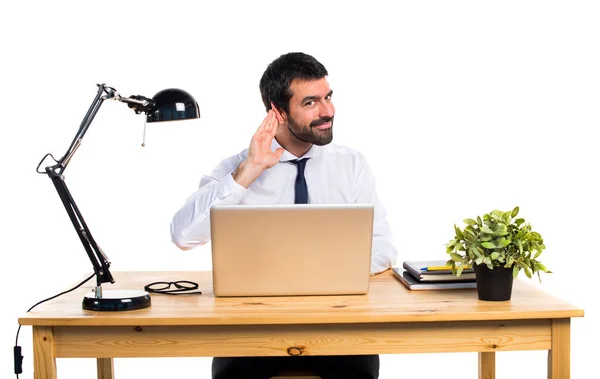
(260, 156)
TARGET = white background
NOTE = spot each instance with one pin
(461, 107)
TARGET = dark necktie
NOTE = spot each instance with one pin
(301, 192)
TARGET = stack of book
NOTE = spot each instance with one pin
(433, 275)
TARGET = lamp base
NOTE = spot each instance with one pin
(117, 300)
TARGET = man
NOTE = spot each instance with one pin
(294, 138)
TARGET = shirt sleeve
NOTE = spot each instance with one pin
(384, 253)
(190, 226)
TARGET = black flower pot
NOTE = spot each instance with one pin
(493, 285)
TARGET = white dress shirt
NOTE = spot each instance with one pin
(334, 175)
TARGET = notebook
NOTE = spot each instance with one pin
(412, 283)
(418, 270)
(296, 249)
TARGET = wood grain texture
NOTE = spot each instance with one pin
(44, 362)
(487, 365)
(106, 368)
(559, 357)
(387, 301)
(279, 340)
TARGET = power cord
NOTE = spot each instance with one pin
(17, 350)
(182, 287)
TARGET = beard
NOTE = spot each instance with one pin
(309, 134)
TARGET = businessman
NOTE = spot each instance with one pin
(291, 160)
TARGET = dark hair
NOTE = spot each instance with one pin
(276, 80)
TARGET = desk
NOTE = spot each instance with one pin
(389, 320)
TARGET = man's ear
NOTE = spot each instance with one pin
(278, 113)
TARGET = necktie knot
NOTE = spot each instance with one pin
(301, 192)
(301, 163)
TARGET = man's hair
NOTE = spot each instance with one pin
(276, 80)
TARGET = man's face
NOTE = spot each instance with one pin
(310, 118)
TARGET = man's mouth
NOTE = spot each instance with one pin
(324, 126)
(321, 124)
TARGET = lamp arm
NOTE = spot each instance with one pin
(99, 260)
(137, 102)
(85, 124)
(55, 172)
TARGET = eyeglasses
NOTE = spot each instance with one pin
(181, 287)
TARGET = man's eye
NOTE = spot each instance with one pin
(328, 97)
(308, 103)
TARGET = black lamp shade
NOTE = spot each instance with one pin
(173, 104)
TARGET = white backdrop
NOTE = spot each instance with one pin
(461, 107)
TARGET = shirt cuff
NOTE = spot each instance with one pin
(231, 191)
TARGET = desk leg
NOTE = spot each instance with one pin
(559, 357)
(487, 365)
(105, 368)
(44, 362)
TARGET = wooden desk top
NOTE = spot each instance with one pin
(387, 301)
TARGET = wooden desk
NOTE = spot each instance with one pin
(389, 320)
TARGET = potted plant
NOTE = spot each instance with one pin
(497, 247)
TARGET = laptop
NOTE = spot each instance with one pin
(287, 250)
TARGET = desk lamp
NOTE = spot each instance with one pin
(166, 105)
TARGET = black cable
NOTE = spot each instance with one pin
(17, 349)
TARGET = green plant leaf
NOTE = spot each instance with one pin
(501, 230)
(519, 262)
(479, 221)
(536, 236)
(470, 221)
(502, 242)
(497, 215)
(488, 245)
(515, 271)
(474, 252)
(458, 232)
(540, 267)
(515, 212)
(487, 229)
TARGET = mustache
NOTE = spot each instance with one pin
(321, 121)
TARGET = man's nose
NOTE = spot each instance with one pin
(327, 110)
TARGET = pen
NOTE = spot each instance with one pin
(439, 268)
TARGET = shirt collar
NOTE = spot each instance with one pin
(287, 156)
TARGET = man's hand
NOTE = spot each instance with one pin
(260, 156)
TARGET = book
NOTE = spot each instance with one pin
(418, 269)
(413, 284)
